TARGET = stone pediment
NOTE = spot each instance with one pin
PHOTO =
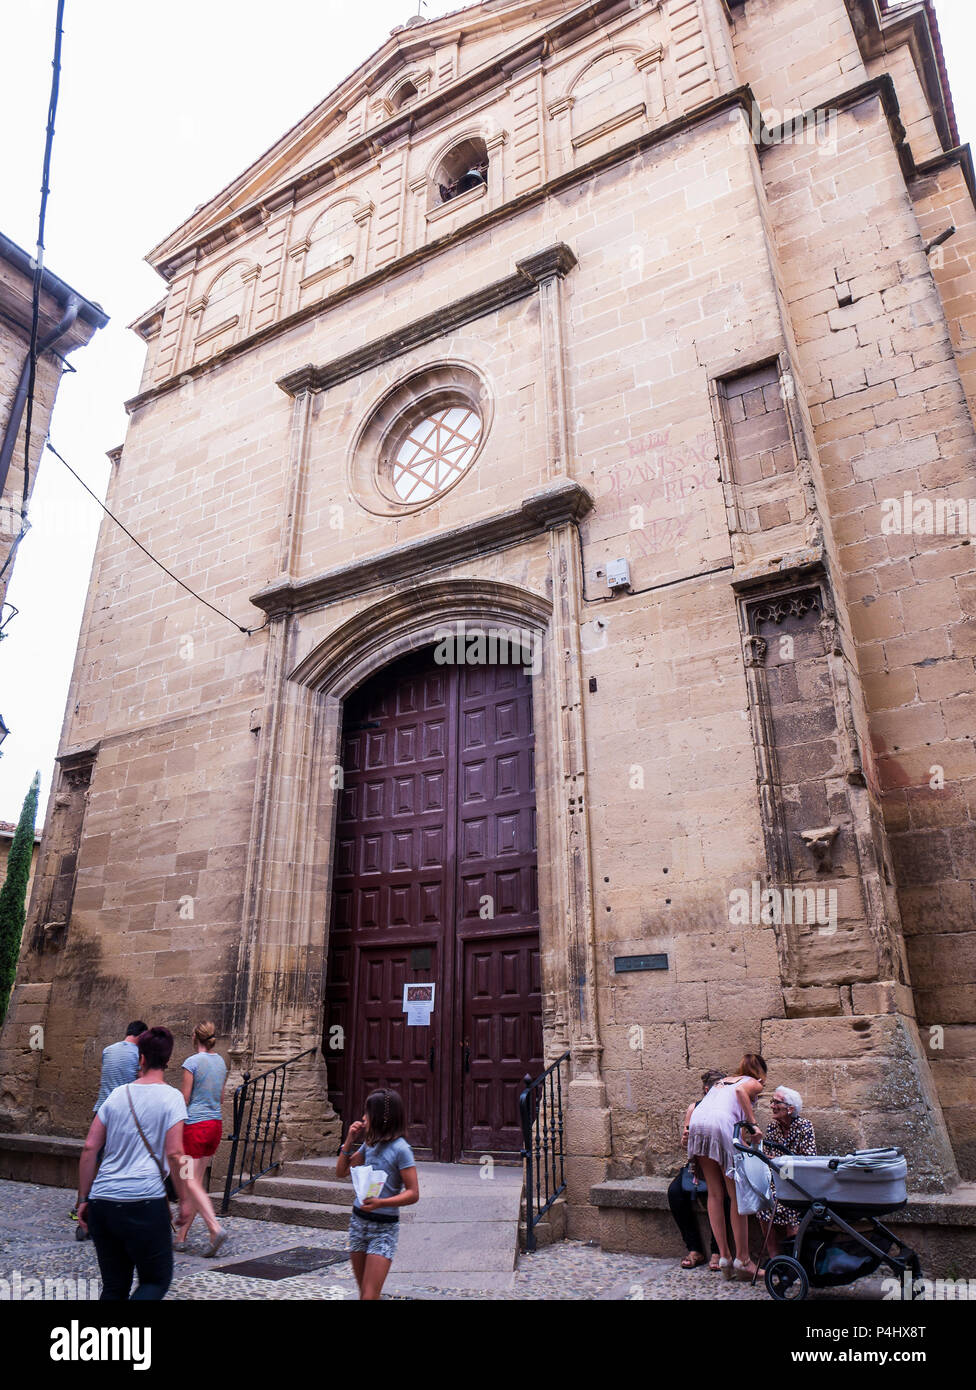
(466, 51)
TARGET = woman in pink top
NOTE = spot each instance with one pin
(710, 1134)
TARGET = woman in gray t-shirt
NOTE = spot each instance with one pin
(202, 1085)
(140, 1129)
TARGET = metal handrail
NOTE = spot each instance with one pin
(541, 1111)
(255, 1139)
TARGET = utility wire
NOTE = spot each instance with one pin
(39, 259)
(35, 320)
(247, 631)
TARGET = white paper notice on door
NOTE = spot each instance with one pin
(418, 1004)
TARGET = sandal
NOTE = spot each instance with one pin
(714, 1265)
(693, 1259)
(215, 1243)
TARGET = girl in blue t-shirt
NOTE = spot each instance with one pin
(377, 1139)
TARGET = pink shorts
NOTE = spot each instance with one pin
(201, 1140)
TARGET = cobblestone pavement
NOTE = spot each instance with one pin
(37, 1239)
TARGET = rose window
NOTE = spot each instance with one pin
(421, 439)
(435, 452)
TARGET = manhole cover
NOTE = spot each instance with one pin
(284, 1264)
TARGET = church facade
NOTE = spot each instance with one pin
(563, 413)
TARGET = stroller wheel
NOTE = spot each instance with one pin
(786, 1279)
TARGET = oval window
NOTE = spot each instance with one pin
(421, 439)
(434, 452)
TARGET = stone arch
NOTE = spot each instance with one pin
(409, 620)
(405, 89)
(226, 275)
(364, 646)
(333, 248)
(338, 217)
(472, 143)
(604, 88)
(594, 60)
(223, 307)
(284, 947)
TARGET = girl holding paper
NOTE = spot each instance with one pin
(384, 1174)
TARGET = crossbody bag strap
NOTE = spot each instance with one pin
(149, 1147)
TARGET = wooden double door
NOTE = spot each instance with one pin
(435, 880)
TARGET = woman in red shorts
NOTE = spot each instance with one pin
(203, 1081)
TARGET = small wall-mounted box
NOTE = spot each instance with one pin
(618, 574)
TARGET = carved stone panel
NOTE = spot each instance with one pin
(805, 751)
(60, 869)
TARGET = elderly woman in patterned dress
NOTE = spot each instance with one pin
(795, 1136)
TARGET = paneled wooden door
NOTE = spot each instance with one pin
(435, 880)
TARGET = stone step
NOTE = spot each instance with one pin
(291, 1213)
(463, 1235)
(50, 1160)
(551, 1228)
(323, 1169)
(303, 1189)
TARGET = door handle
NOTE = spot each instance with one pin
(430, 1059)
(467, 1058)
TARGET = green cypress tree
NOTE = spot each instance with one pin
(13, 894)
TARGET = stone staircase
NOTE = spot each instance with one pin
(463, 1235)
(301, 1192)
(306, 1192)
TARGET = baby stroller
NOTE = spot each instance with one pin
(836, 1193)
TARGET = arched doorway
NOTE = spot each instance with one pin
(435, 880)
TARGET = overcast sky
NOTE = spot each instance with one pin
(160, 107)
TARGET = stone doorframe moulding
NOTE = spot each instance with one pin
(284, 945)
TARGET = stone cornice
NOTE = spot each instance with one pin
(741, 97)
(554, 260)
(561, 32)
(883, 88)
(809, 562)
(880, 25)
(554, 505)
(963, 156)
(78, 756)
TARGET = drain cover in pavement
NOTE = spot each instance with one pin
(283, 1264)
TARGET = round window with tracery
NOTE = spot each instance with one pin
(422, 438)
(434, 452)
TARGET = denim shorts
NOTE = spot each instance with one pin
(373, 1237)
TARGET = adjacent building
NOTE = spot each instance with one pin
(66, 320)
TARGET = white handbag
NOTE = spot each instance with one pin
(753, 1184)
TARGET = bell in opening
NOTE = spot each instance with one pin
(465, 168)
